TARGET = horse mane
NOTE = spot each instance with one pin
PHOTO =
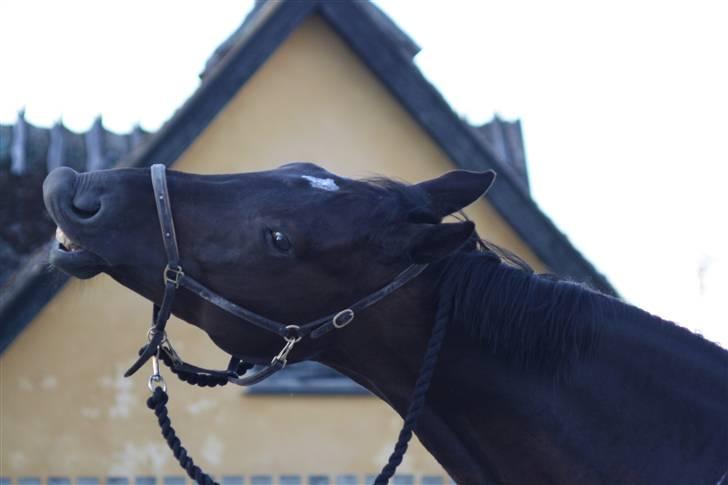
(540, 323)
(534, 322)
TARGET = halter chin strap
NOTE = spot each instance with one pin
(174, 277)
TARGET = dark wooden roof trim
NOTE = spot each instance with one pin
(397, 37)
(252, 21)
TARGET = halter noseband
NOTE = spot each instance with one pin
(174, 277)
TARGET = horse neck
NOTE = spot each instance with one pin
(648, 402)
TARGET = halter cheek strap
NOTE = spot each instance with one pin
(171, 274)
(174, 277)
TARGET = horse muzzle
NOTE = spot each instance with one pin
(71, 210)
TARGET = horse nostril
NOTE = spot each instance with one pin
(84, 213)
(86, 202)
(68, 194)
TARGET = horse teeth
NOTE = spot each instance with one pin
(60, 236)
(66, 241)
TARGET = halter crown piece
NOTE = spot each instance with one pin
(159, 347)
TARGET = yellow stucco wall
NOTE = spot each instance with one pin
(65, 408)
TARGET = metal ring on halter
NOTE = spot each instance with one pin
(152, 331)
(166, 346)
(173, 275)
(293, 332)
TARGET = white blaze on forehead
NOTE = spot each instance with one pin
(323, 184)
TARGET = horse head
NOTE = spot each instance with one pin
(292, 243)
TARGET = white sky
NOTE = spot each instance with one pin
(624, 107)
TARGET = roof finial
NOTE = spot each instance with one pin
(95, 159)
(56, 146)
(18, 156)
(136, 136)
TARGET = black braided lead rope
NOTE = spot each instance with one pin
(194, 379)
(158, 402)
(419, 394)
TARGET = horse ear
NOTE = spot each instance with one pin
(454, 190)
(431, 242)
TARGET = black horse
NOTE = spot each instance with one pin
(540, 380)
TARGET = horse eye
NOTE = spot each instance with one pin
(280, 241)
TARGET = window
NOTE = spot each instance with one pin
(290, 480)
(59, 481)
(233, 480)
(87, 481)
(29, 481)
(431, 480)
(173, 480)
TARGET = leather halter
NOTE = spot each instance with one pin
(174, 277)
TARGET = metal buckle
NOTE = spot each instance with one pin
(348, 317)
(176, 275)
